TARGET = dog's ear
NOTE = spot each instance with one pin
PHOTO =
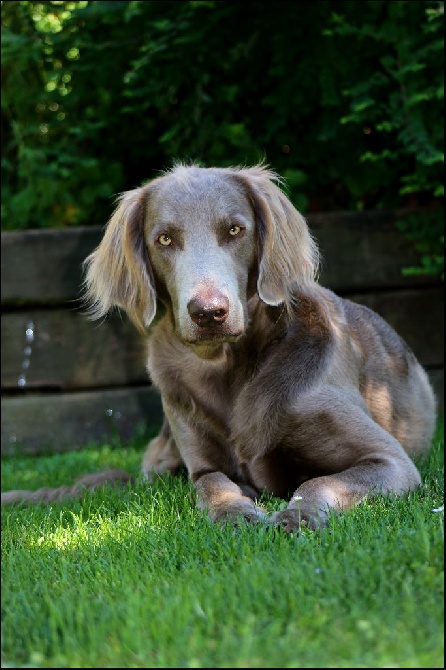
(118, 272)
(288, 255)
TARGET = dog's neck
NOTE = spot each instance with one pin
(214, 353)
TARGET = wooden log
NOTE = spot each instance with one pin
(363, 257)
(68, 351)
(360, 250)
(436, 377)
(45, 266)
(44, 423)
(61, 422)
(363, 250)
(417, 315)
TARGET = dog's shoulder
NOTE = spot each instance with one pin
(346, 318)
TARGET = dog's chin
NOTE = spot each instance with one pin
(207, 343)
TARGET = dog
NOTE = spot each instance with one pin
(268, 381)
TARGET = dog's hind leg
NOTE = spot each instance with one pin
(161, 455)
(356, 458)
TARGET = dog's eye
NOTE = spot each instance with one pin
(235, 230)
(165, 240)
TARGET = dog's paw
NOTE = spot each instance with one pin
(294, 519)
(238, 511)
(288, 520)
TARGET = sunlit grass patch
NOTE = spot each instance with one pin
(138, 577)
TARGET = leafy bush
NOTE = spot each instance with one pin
(344, 99)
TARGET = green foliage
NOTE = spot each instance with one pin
(425, 231)
(398, 103)
(344, 99)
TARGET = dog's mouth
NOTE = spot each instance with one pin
(207, 336)
(211, 346)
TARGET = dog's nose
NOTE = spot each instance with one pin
(208, 312)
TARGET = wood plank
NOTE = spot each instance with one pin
(417, 315)
(68, 351)
(360, 250)
(363, 250)
(436, 377)
(61, 422)
(45, 266)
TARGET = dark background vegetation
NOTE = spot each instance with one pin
(344, 99)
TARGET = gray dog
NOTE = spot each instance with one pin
(269, 382)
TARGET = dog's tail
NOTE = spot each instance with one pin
(77, 490)
(160, 457)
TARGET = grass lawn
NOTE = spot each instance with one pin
(139, 578)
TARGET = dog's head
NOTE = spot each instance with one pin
(201, 240)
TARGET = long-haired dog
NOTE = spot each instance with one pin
(269, 382)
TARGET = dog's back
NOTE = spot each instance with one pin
(394, 385)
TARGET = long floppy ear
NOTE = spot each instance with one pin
(118, 272)
(288, 255)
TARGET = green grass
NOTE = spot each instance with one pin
(140, 578)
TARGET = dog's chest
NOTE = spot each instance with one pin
(214, 386)
(205, 391)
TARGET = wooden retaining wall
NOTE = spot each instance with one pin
(67, 382)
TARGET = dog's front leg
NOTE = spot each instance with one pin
(362, 458)
(213, 471)
(316, 499)
(224, 500)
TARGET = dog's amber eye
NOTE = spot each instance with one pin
(165, 240)
(234, 230)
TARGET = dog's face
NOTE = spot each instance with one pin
(200, 233)
(202, 240)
